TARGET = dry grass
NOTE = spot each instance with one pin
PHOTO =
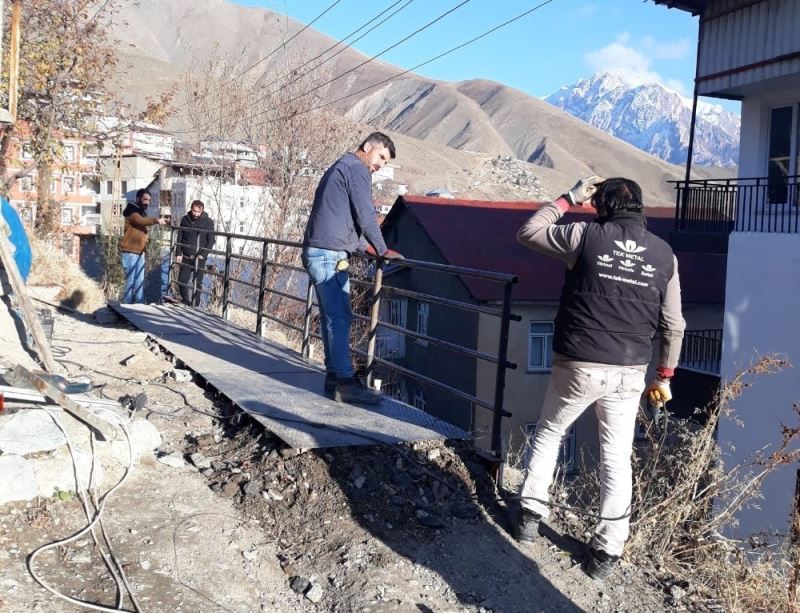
(685, 498)
(52, 268)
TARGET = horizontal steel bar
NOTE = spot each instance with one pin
(466, 306)
(241, 306)
(289, 266)
(446, 268)
(285, 295)
(246, 258)
(281, 321)
(243, 282)
(437, 342)
(432, 382)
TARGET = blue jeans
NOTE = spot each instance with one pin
(165, 274)
(333, 296)
(133, 265)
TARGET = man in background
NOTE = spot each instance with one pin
(195, 240)
(133, 245)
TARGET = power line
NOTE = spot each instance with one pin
(400, 74)
(270, 54)
(349, 45)
(345, 73)
(318, 56)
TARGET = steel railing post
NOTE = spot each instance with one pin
(500, 380)
(373, 318)
(306, 348)
(261, 286)
(226, 279)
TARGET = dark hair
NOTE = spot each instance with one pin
(618, 194)
(141, 192)
(197, 203)
(379, 138)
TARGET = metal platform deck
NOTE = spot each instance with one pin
(276, 385)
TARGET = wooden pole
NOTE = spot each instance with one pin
(13, 59)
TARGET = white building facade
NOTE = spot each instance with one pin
(750, 51)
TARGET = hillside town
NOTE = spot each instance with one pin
(286, 325)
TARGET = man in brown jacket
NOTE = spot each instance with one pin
(133, 245)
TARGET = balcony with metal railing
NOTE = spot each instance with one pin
(716, 207)
(702, 351)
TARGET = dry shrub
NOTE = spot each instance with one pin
(52, 268)
(685, 499)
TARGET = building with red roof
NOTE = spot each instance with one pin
(482, 235)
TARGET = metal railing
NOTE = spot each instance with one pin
(243, 283)
(702, 350)
(756, 204)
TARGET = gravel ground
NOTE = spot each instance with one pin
(224, 517)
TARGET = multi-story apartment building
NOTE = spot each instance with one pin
(750, 51)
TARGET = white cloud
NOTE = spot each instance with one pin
(636, 60)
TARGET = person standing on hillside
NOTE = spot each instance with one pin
(342, 220)
(133, 245)
(621, 287)
(195, 240)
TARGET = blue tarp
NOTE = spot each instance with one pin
(19, 239)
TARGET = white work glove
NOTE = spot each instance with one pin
(583, 190)
(658, 392)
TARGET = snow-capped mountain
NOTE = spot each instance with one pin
(653, 118)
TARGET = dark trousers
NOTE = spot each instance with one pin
(187, 288)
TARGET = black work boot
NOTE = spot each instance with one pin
(601, 564)
(330, 382)
(527, 526)
(352, 391)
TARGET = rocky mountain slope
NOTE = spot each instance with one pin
(453, 128)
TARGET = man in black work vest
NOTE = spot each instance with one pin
(621, 287)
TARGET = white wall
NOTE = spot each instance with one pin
(755, 127)
(762, 297)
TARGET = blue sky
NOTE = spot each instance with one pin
(556, 45)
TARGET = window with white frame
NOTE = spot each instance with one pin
(396, 312)
(69, 153)
(26, 184)
(241, 227)
(109, 187)
(566, 455)
(66, 216)
(423, 312)
(27, 153)
(241, 202)
(67, 184)
(540, 345)
(783, 152)
(419, 399)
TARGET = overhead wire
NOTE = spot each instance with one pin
(392, 77)
(426, 62)
(319, 55)
(268, 55)
(337, 77)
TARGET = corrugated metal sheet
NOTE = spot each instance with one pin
(748, 37)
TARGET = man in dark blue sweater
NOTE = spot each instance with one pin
(343, 220)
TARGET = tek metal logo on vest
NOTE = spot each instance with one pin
(612, 297)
